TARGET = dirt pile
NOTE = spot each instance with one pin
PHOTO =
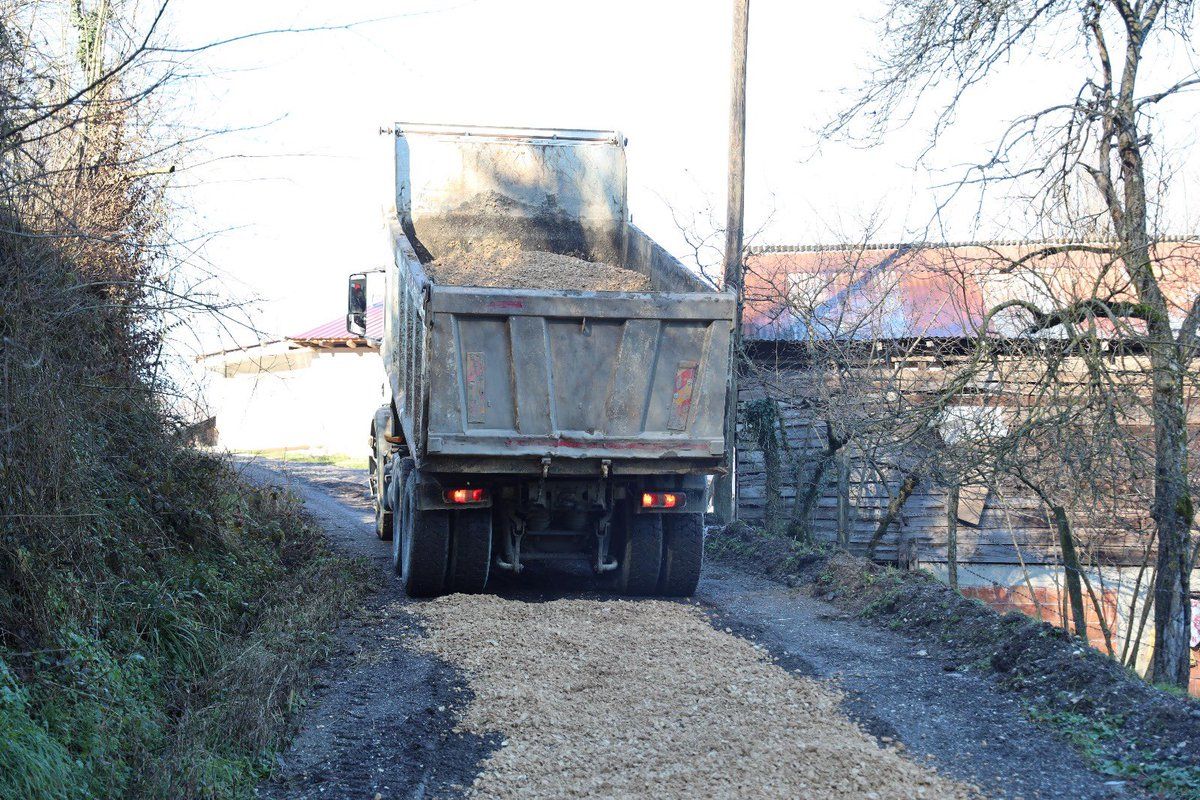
(503, 265)
(646, 699)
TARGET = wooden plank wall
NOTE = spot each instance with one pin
(1012, 529)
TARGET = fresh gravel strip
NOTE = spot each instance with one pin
(618, 698)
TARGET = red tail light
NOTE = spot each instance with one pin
(663, 500)
(464, 496)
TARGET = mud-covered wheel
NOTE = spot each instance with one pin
(401, 467)
(425, 545)
(682, 554)
(641, 554)
(470, 550)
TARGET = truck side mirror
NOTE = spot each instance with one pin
(356, 312)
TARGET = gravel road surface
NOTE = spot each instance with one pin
(546, 688)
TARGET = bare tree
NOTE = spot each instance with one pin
(893, 366)
(1095, 144)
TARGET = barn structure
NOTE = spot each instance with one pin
(908, 312)
(315, 391)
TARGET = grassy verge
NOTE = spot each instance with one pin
(181, 676)
(157, 618)
(1122, 725)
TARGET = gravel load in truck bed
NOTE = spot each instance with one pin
(506, 266)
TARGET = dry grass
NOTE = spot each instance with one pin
(243, 710)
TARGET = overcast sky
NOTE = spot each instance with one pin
(299, 205)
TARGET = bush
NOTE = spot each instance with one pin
(157, 617)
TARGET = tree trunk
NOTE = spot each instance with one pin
(1172, 514)
(907, 486)
(798, 527)
(952, 537)
(773, 501)
(803, 504)
(1172, 509)
(1101, 620)
(761, 417)
(1141, 628)
(843, 508)
(1071, 566)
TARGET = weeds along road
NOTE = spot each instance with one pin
(546, 689)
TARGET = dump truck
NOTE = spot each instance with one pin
(538, 423)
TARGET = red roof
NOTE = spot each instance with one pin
(917, 290)
(335, 329)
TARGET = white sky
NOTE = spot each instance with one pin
(305, 210)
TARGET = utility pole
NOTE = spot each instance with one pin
(725, 487)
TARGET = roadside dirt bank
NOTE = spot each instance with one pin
(1122, 726)
(958, 722)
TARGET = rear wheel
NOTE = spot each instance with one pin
(641, 554)
(470, 550)
(683, 554)
(425, 546)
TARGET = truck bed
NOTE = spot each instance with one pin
(522, 380)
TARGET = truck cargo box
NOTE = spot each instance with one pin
(488, 379)
(558, 392)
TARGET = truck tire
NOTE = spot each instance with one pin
(379, 486)
(425, 549)
(683, 554)
(470, 550)
(641, 554)
(401, 467)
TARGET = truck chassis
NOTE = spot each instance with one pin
(449, 531)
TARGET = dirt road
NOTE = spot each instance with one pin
(540, 689)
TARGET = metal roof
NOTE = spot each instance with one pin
(335, 329)
(900, 291)
(759, 249)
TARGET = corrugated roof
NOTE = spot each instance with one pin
(335, 329)
(902, 291)
(758, 249)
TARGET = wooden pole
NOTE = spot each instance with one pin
(725, 498)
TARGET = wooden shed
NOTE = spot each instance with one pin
(917, 308)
